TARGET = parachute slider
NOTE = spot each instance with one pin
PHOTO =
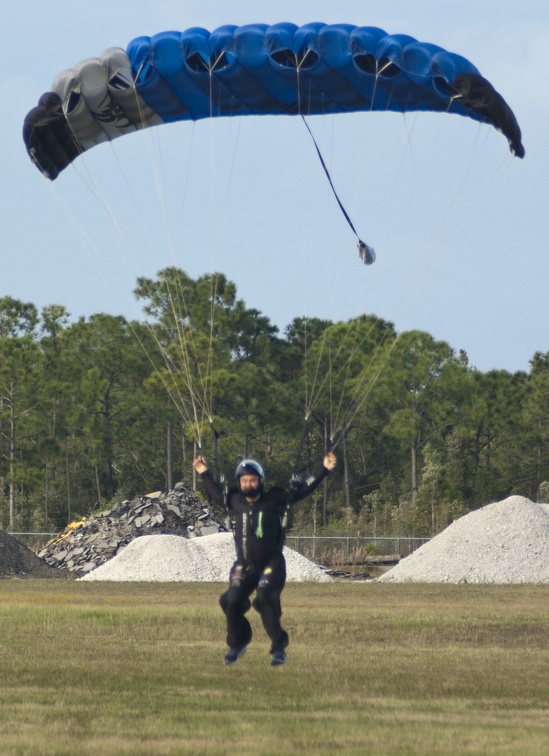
(366, 253)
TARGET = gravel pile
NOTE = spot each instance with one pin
(172, 558)
(505, 542)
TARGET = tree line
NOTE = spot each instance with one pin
(103, 409)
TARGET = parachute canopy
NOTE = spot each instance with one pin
(254, 70)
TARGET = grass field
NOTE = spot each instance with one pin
(99, 668)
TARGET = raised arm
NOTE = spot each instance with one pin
(213, 489)
(307, 487)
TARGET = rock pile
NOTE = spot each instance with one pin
(18, 561)
(85, 545)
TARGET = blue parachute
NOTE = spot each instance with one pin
(254, 70)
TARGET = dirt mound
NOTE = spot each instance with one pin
(18, 561)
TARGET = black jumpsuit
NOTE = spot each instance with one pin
(260, 564)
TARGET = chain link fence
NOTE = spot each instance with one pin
(330, 551)
(33, 541)
(354, 551)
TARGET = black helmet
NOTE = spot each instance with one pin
(250, 467)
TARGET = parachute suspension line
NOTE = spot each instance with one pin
(93, 188)
(210, 81)
(298, 82)
(216, 61)
(364, 384)
(374, 91)
(327, 377)
(304, 433)
(208, 382)
(309, 386)
(365, 252)
(340, 379)
(157, 162)
(192, 397)
(210, 362)
(342, 411)
(326, 384)
(310, 390)
(99, 260)
(466, 181)
(101, 264)
(379, 70)
(331, 375)
(169, 386)
(361, 393)
(196, 385)
(211, 68)
(336, 440)
(198, 381)
(342, 376)
(384, 216)
(337, 413)
(195, 412)
(318, 387)
(315, 388)
(320, 379)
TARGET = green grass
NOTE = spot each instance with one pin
(99, 668)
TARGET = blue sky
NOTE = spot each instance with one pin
(460, 227)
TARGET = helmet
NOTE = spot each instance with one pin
(250, 467)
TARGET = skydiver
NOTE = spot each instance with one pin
(257, 519)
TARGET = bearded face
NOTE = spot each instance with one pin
(249, 485)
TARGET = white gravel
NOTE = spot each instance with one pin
(505, 542)
(171, 558)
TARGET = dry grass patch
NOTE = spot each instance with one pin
(101, 668)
